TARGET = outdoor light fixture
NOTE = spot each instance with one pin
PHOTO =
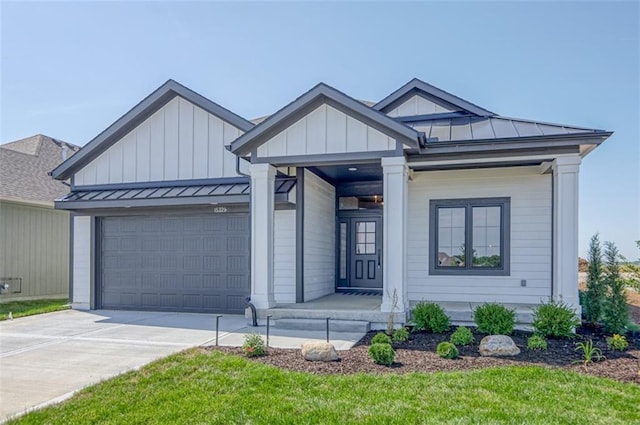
(352, 169)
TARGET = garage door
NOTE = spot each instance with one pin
(194, 263)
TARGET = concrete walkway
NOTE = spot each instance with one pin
(46, 358)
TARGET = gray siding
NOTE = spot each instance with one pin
(34, 246)
(284, 256)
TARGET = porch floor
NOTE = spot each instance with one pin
(338, 301)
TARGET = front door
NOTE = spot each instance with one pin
(360, 252)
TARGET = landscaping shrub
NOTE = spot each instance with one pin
(594, 295)
(447, 350)
(555, 319)
(401, 335)
(537, 342)
(617, 342)
(430, 317)
(590, 353)
(381, 338)
(462, 336)
(494, 319)
(253, 346)
(382, 354)
(615, 314)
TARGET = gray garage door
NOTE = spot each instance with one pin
(196, 263)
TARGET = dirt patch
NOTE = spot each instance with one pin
(418, 355)
(634, 305)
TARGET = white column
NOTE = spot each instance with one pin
(262, 206)
(83, 266)
(565, 229)
(396, 174)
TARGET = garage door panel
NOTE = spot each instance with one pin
(175, 263)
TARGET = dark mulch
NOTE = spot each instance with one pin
(418, 355)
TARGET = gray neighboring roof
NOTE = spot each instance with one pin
(322, 93)
(171, 193)
(417, 86)
(496, 127)
(160, 97)
(25, 165)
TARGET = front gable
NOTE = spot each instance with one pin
(418, 104)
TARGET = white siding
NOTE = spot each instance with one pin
(530, 195)
(319, 237)
(284, 256)
(417, 105)
(179, 141)
(326, 130)
(82, 262)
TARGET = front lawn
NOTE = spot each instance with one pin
(31, 307)
(199, 386)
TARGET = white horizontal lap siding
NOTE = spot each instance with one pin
(530, 195)
(179, 141)
(417, 105)
(284, 256)
(82, 262)
(319, 237)
(326, 130)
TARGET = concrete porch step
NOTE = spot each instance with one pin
(321, 325)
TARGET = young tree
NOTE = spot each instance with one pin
(596, 292)
(616, 311)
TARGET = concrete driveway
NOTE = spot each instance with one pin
(46, 358)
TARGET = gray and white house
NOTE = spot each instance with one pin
(182, 205)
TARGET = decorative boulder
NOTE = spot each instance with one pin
(316, 351)
(498, 345)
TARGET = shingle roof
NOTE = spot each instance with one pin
(25, 165)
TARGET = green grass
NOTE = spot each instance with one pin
(31, 307)
(196, 388)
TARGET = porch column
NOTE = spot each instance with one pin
(565, 230)
(262, 206)
(396, 174)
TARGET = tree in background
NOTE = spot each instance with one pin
(615, 313)
(596, 291)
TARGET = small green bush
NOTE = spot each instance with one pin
(615, 311)
(537, 342)
(381, 338)
(430, 317)
(617, 342)
(401, 335)
(555, 319)
(253, 346)
(462, 336)
(494, 319)
(382, 354)
(447, 350)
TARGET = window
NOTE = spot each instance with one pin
(469, 236)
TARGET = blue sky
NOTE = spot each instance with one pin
(70, 69)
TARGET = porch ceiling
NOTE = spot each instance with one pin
(344, 173)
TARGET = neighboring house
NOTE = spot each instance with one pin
(182, 205)
(34, 237)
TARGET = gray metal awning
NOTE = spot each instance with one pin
(202, 193)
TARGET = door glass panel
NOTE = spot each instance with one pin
(343, 250)
(486, 237)
(451, 234)
(365, 237)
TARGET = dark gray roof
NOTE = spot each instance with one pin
(139, 113)
(310, 100)
(25, 165)
(417, 86)
(474, 128)
(218, 191)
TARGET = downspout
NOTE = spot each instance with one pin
(238, 171)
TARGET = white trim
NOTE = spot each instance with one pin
(488, 160)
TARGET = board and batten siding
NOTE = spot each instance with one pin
(326, 130)
(319, 237)
(82, 267)
(180, 141)
(531, 221)
(284, 256)
(34, 246)
(417, 105)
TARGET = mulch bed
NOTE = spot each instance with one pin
(418, 355)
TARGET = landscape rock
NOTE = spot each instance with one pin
(498, 346)
(317, 351)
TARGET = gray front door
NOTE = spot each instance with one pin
(196, 263)
(359, 252)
